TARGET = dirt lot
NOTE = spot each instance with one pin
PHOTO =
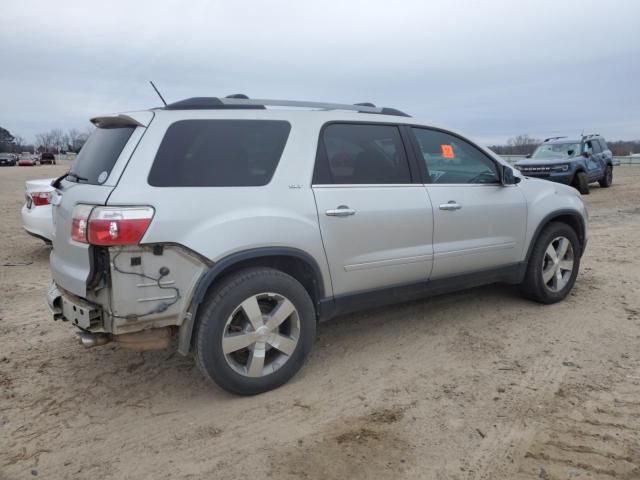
(475, 385)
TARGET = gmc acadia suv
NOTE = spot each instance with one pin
(572, 162)
(237, 227)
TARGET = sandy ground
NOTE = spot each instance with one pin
(476, 385)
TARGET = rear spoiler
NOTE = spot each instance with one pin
(133, 119)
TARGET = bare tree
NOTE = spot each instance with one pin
(19, 142)
(82, 138)
(73, 136)
(44, 141)
(57, 139)
(518, 145)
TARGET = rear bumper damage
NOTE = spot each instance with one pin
(85, 316)
(139, 299)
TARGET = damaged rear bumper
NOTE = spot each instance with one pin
(67, 307)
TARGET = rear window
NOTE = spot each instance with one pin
(219, 153)
(99, 154)
(47, 156)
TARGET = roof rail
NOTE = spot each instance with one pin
(590, 135)
(553, 138)
(238, 102)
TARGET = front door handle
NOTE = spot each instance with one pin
(450, 205)
(341, 211)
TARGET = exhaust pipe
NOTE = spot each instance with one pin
(155, 339)
(93, 339)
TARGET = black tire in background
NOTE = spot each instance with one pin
(219, 307)
(533, 286)
(581, 183)
(607, 180)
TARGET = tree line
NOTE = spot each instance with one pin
(526, 144)
(58, 141)
(55, 140)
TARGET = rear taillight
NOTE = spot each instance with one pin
(110, 225)
(79, 222)
(118, 225)
(40, 198)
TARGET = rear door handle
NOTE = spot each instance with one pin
(341, 211)
(451, 205)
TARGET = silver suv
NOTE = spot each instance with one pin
(236, 227)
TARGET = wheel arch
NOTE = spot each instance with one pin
(569, 217)
(578, 169)
(292, 261)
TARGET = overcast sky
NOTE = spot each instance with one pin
(491, 68)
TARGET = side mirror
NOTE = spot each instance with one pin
(508, 178)
(586, 154)
(528, 155)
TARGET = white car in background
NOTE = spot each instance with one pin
(36, 212)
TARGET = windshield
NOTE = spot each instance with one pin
(555, 150)
(99, 154)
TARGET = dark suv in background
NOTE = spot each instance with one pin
(47, 157)
(572, 162)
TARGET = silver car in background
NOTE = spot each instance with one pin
(36, 212)
(236, 227)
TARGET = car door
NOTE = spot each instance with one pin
(595, 161)
(479, 224)
(375, 218)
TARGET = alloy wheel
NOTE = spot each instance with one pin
(261, 334)
(557, 264)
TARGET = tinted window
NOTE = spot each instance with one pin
(219, 153)
(361, 154)
(603, 144)
(449, 159)
(99, 154)
(47, 156)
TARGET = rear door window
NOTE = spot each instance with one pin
(361, 154)
(219, 153)
(99, 154)
(603, 144)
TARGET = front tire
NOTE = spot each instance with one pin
(581, 183)
(255, 331)
(607, 180)
(553, 264)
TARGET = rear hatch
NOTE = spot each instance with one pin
(91, 179)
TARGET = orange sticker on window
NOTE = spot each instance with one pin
(447, 151)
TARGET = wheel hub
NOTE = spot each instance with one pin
(263, 333)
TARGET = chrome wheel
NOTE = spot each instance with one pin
(557, 264)
(261, 334)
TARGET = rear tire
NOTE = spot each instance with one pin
(581, 183)
(553, 264)
(607, 180)
(254, 331)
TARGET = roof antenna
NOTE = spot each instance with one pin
(159, 94)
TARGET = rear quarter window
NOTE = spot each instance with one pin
(219, 153)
